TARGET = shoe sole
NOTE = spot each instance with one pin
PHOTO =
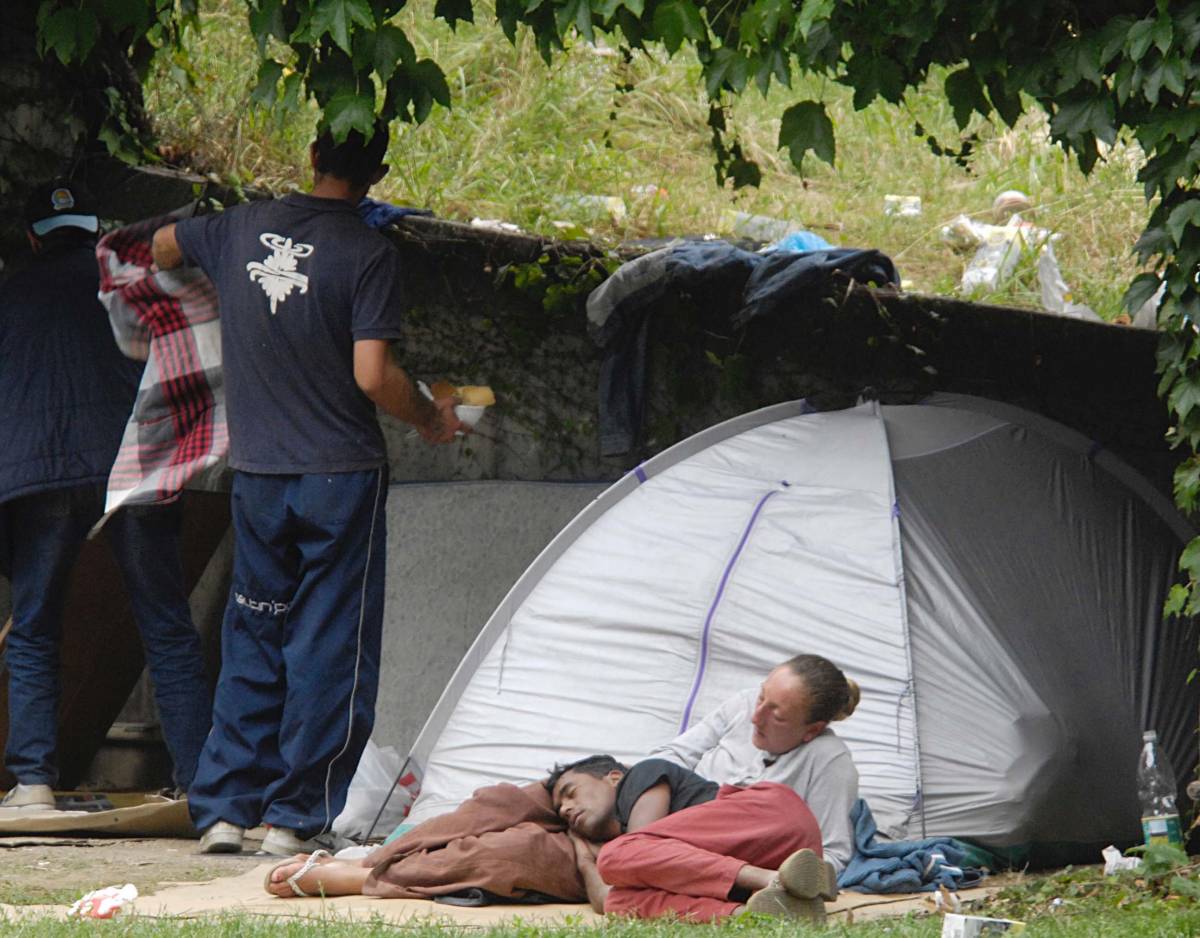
(269, 849)
(806, 876)
(778, 902)
(222, 846)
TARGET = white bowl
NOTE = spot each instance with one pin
(469, 413)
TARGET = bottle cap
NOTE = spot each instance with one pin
(1149, 735)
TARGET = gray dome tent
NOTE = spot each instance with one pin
(992, 580)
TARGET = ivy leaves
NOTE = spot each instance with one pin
(337, 18)
(674, 21)
(344, 54)
(69, 33)
(806, 126)
(349, 57)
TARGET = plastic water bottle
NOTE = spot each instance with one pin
(1156, 790)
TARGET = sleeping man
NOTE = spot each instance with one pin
(657, 839)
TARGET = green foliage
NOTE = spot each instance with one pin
(73, 31)
(1167, 881)
(806, 126)
(561, 281)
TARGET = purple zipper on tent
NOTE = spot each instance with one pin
(712, 610)
(640, 473)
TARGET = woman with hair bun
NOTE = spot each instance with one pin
(779, 732)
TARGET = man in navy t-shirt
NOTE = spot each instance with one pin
(310, 301)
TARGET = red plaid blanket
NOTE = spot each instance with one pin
(177, 434)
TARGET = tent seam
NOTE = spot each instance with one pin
(712, 609)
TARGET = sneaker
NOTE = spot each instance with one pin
(777, 901)
(285, 842)
(28, 798)
(806, 876)
(222, 837)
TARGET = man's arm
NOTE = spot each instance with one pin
(389, 386)
(653, 804)
(165, 249)
(585, 861)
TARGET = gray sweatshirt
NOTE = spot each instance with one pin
(821, 772)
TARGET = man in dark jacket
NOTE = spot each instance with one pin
(66, 393)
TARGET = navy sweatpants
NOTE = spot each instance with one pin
(300, 645)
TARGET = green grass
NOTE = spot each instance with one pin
(1162, 922)
(521, 137)
(25, 894)
(1072, 903)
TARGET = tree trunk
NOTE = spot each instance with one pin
(51, 114)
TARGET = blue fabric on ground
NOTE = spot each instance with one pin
(904, 865)
(799, 242)
(380, 214)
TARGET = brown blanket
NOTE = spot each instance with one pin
(505, 839)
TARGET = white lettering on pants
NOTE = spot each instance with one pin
(269, 606)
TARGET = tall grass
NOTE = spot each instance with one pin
(523, 138)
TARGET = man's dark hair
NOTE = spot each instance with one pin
(596, 766)
(354, 159)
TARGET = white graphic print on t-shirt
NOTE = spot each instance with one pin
(277, 274)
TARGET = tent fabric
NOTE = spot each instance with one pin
(1036, 581)
(992, 580)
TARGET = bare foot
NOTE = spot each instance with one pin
(329, 877)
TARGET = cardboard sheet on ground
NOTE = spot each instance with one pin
(244, 895)
(132, 815)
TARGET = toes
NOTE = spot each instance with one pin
(281, 873)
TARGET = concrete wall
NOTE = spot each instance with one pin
(454, 550)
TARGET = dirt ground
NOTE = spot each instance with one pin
(52, 873)
(40, 870)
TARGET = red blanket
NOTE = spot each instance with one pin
(505, 839)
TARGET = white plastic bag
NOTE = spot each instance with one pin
(103, 903)
(1056, 295)
(997, 248)
(377, 770)
(1115, 861)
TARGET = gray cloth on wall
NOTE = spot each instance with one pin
(619, 309)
